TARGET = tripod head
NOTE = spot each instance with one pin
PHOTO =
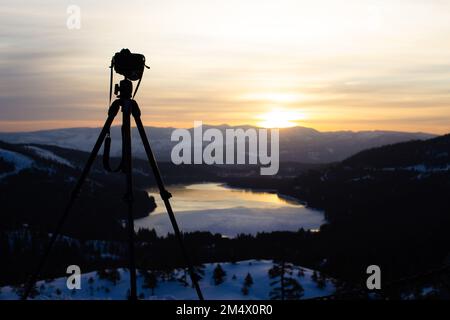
(124, 89)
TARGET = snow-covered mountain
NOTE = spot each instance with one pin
(38, 176)
(14, 162)
(297, 144)
(29, 157)
(94, 287)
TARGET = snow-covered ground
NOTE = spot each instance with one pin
(422, 168)
(175, 289)
(46, 154)
(19, 161)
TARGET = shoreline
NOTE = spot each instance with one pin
(283, 196)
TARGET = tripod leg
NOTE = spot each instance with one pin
(111, 114)
(127, 168)
(165, 195)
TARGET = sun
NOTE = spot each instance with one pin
(280, 119)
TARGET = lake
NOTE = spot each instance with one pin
(217, 208)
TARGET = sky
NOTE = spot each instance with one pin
(326, 64)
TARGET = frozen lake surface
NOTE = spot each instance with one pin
(216, 208)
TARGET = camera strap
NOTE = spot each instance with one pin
(140, 79)
(137, 86)
(106, 155)
(111, 81)
(107, 145)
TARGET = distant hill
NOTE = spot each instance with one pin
(36, 181)
(387, 206)
(393, 172)
(298, 144)
(35, 184)
(420, 155)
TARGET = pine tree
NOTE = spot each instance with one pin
(218, 275)
(110, 275)
(285, 287)
(248, 281)
(102, 274)
(293, 289)
(245, 290)
(167, 273)
(199, 272)
(113, 276)
(150, 281)
(183, 278)
(91, 288)
(314, 276)
(301, 272)
(321, 281)
(20, 291)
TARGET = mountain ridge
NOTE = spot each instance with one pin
(310, 145)
(224, 125)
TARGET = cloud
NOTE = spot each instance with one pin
(206, 54)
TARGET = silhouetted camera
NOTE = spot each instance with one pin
(130, 65)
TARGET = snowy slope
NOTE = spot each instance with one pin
(19, 161)
(46, 154)
(311, 146)
(174, 289)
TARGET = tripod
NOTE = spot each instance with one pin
(129, 108)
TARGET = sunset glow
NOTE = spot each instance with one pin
(364, 65)
(280, 119)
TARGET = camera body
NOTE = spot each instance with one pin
(130, 65)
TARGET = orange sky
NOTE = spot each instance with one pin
(326, 64)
